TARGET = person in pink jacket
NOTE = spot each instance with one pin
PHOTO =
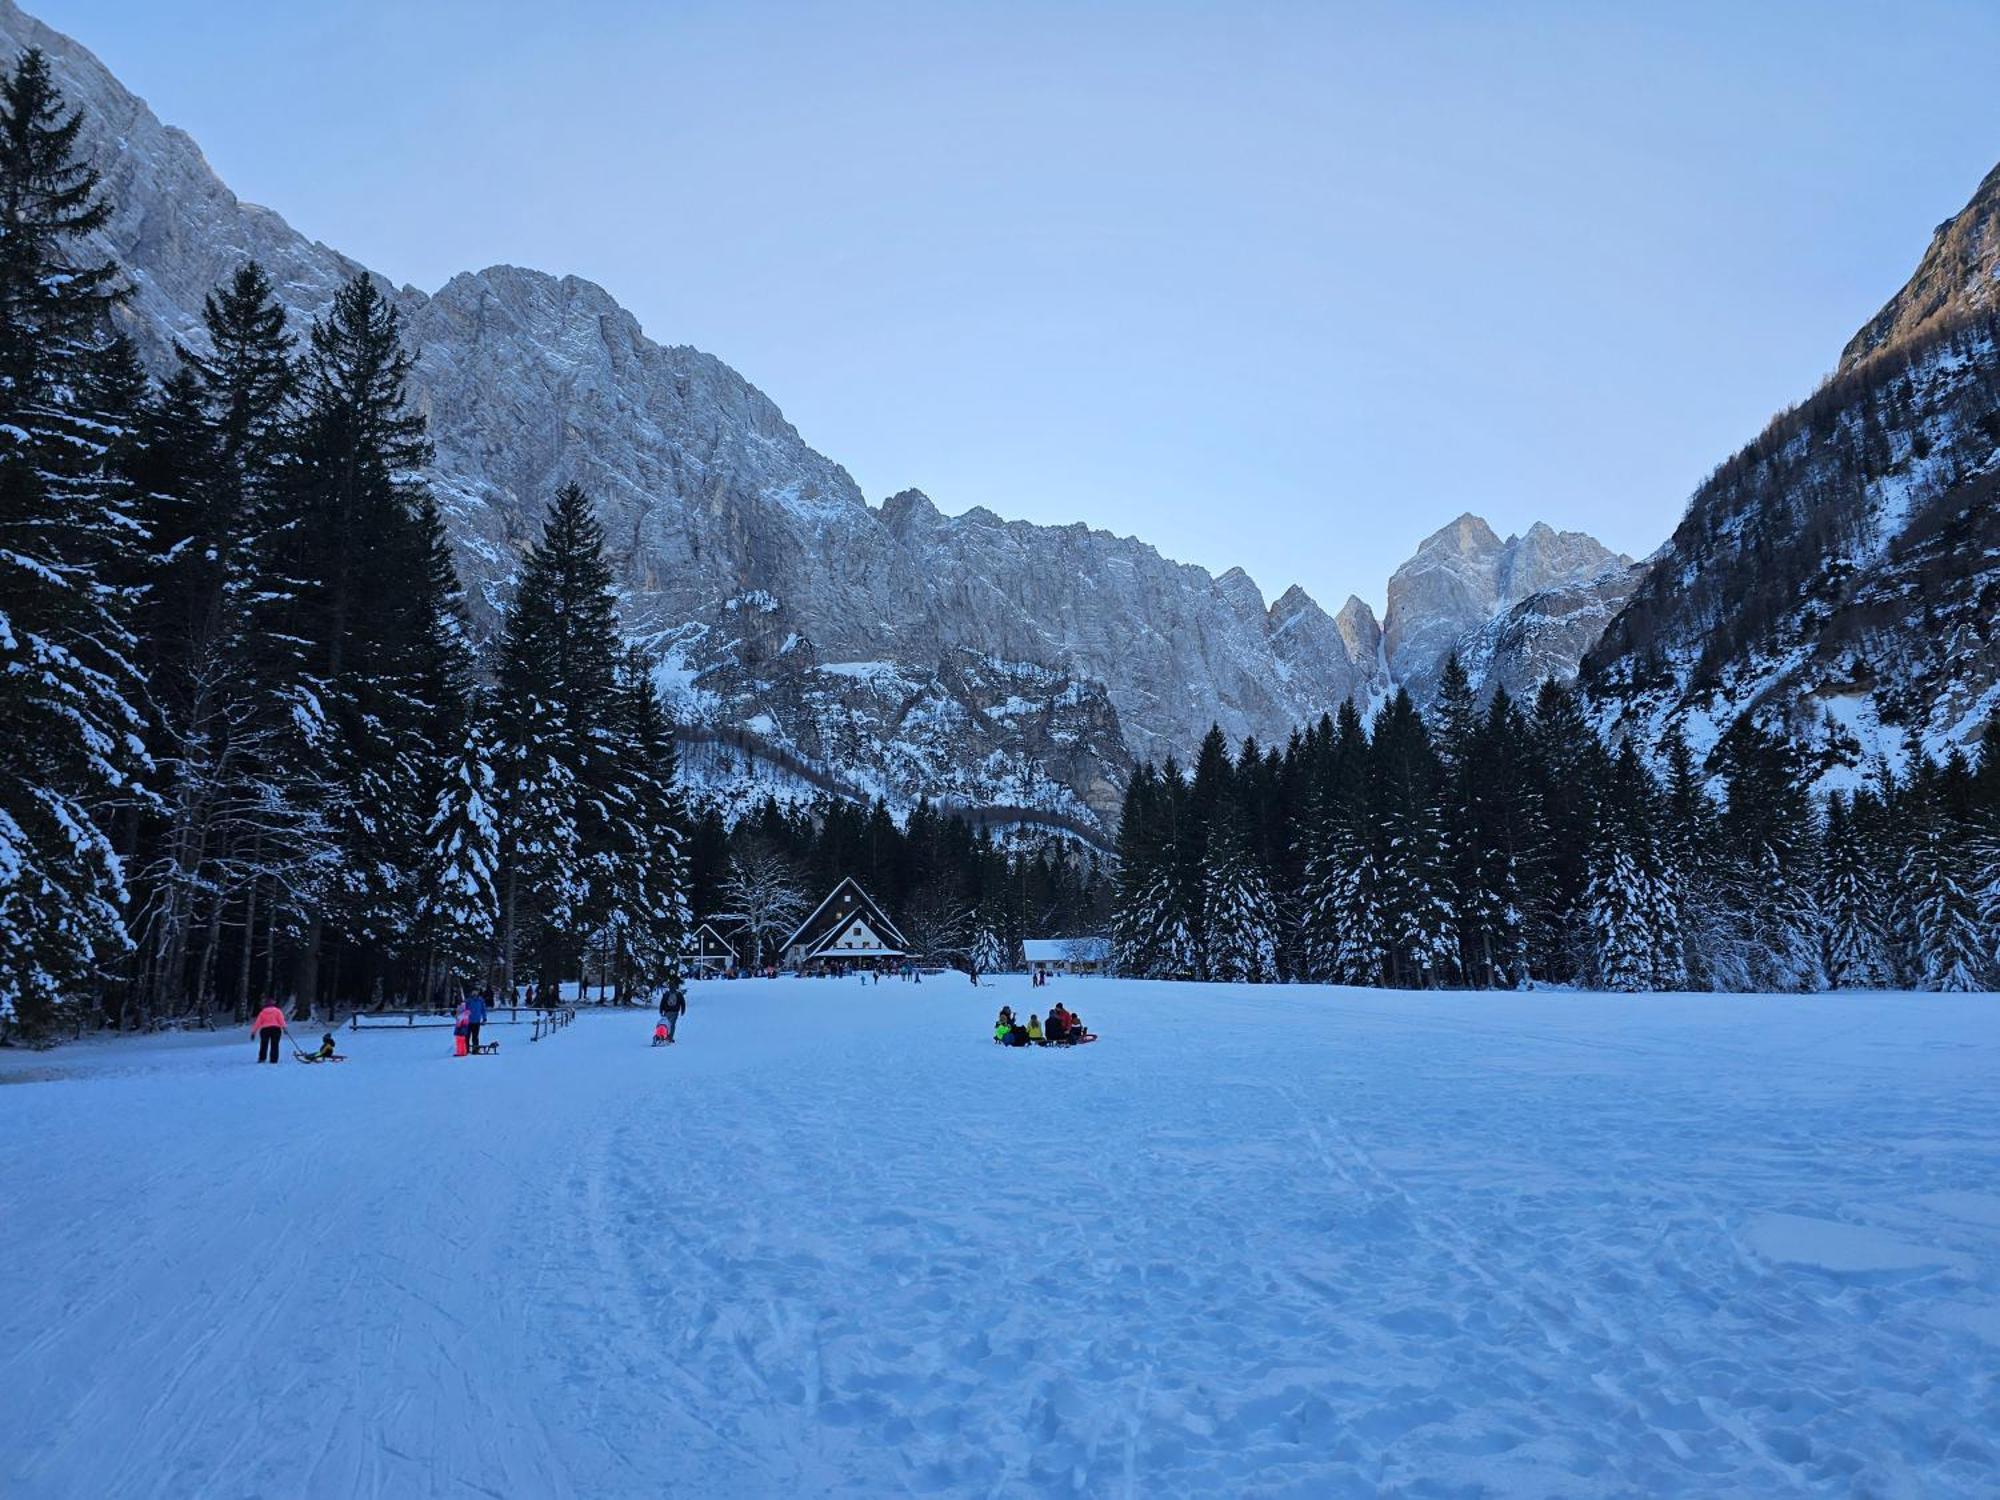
(268, 1028)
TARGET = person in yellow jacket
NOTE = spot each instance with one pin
(1035, 1030)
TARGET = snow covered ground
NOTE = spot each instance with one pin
(1283, 1241)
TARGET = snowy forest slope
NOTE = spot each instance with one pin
(1838, 580)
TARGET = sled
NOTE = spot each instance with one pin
(308, 1057)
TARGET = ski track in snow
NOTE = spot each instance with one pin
(1255, 1242)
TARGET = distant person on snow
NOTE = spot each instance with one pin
(1003, 1023)
(325, 1053)
(1035, 1030)
(673, 1005)
(661, 1036)
(268, 1028)
(475, 1017)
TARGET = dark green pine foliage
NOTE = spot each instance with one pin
(1572, 769)
(556, 751)
(224, 675)
(376, 613)
(1343, 938)
(1630, 912)
(71, 745)
(1240, 924)
(1406, 824)
(1986, 837)
(646, 918)
(1852, 902)
(1500, 820)
(1768, 837)
(1947, 947)
(458, 907)
(1690, 852)
(1157, 910)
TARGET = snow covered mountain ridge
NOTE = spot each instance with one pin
(710, 498)
(1838, 580)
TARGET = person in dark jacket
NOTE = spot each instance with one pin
(673, 1005)
(475, 1017)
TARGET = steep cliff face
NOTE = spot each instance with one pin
(1463, 584)
(709, 497)
(1958, 278)
(1840, 577)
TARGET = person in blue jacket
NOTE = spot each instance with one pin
(475, 1016)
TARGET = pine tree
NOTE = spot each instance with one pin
(1767, 828)
(376, 611)
(223, 674)
(987, 956)
(1571, 770)
(460, 903)
(1617, 916)
(644, 876)
(1504, 824)
(556, 688)
(1985, 838)
(1239, 916)
(1689, 856)
(72, 741)
(1412, 857)
(1852, 902)
(1630, 905)
(1951, 951)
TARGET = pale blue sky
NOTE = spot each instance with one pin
(1279, 285)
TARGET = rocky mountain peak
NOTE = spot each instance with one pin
(1292, 604)
(1958, 275)
(909, 512)
(1464, 576)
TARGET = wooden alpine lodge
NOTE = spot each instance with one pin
(847, 930)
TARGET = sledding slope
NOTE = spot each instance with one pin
(1286, 1241)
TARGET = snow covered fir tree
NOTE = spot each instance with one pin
(1493, 847)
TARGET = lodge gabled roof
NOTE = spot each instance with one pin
(811, 930)
(709, 927)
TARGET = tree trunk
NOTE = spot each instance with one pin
(249, 947)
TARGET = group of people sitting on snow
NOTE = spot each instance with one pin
(1064, 1029)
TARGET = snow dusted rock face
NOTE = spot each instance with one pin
(1547, 633)
(1462, 583)
(1839, 579)
(709, 495)
(1956, 279)
(1176, 648)
(172, 219)
(971, 731)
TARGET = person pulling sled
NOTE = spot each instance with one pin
(673, 1005)
(268, 1028)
